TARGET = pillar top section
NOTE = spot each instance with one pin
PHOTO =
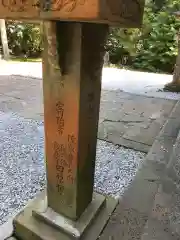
(125, 13)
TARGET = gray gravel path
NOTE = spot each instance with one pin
(22, 171)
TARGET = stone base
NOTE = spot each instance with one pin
(6, 230)
(38, 222)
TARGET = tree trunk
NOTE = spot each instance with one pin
(174, 86)
(176, 76)
(4, 39)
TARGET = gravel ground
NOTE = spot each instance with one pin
(22, 171)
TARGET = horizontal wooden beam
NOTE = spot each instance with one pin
(126, 13)
(30, 21)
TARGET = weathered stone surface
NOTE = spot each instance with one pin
(157, 230)
(153, 170)
(161, 206)
(176, 111)
(151, 194)
(26, 100)
(125, 224)
(174, 216)
(130, 216)
(72, 69)
(109, 129)
(161, 150)
(77, 228)
(27, 227)
(168, 186)
(162, 223)
(163, 153)
(158, 157)
(173, 168)
(6, 230)
(127, 143)
(133, 196)
(140, 133)
(171, 127)
(133, 116)
(132, 120)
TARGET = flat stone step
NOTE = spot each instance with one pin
(143, 209)
(173, 168)
(164, 220)
(132, 120)
(6, 230)
(12, 238)
(157, 230)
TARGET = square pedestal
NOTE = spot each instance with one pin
(37, 222)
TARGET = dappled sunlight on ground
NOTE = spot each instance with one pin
(150, 84)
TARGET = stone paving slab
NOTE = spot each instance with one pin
(6, 230)
(163, 222)
(132, 120)
(173, 168)
(131, 215)
(21, 95)
(130, 225)
(126, 119)
(152, 201)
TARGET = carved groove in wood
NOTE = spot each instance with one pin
(53, 5)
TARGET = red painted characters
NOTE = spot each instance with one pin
(54, 5)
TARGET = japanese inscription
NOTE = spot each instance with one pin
(68, 5)
(71, 151)
(60, 117)
(53, 5)
(102, 11)
(63, 157)
(59, 157)
(17, 5)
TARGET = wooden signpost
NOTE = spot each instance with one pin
(72, 66)
(122, 12)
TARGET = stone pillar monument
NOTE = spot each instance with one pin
(72, 64)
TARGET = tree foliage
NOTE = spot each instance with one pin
(154, 46)
(24, 38)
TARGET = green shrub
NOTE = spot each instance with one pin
(24, 39)
(151, 48)
(154, 46)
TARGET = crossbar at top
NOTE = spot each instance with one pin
(114, 12)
